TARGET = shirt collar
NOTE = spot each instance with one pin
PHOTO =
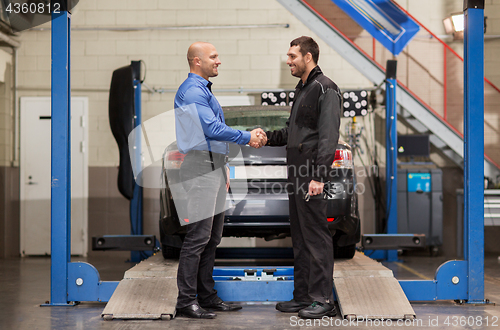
(200, 79)
(314, 72)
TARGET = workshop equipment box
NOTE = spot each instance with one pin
(420, 204)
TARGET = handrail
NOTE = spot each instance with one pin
(457, 55)
(380, 66)
(311, 8)
(441, 41)
(372, 58)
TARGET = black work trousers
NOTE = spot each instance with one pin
(205, 188)
(312, 249)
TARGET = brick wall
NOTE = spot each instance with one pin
(251, 57)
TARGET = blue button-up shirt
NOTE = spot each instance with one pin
(195, 90)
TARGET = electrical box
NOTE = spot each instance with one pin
(420, 204)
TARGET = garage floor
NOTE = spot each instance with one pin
(25, 284)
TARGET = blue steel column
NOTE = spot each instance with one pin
(61, 159)
(136, 202)
(391, 141)
(474, 148)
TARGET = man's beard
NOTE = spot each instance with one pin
(299, 71)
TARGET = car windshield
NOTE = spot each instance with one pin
(269, 118)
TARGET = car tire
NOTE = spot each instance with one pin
(344, 252)
(170, 252)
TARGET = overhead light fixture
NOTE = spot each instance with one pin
(455, 25)
(458, 22)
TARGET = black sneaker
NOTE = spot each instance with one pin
(291, 306)
(317, 310)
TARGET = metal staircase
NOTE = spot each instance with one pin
(418, 114)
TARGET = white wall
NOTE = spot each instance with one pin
(6, 113)
(251, 57)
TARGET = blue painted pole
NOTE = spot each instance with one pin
(391, 141)
(136, 203)
(137, 123)
(60, 159)
(474, 147)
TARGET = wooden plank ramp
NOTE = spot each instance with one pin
(148, 291)
(366, 289)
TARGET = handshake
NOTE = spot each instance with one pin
(258, 138)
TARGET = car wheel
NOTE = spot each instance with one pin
(344, 252)
(170, 252)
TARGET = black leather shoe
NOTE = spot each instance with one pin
(291, 306)
(317, 310)
(220, 305)
(196, 312)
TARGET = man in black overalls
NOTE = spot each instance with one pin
(311, 135)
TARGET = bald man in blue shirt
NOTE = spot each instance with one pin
(205, 186)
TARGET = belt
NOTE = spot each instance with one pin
(214, 156)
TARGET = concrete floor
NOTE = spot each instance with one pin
(25, 284)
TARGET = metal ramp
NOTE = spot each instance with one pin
(366, 289)
(147, 291)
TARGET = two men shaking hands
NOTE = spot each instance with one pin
(258, 138)
(311, 135)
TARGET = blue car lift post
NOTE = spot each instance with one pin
(391, 138)
(391, 155)
(136, 205)
(455, 280)
(70, 282)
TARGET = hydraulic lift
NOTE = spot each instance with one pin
(122, 112)
(73, 282)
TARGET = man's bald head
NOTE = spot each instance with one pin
(198, 49)
(203, 59)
